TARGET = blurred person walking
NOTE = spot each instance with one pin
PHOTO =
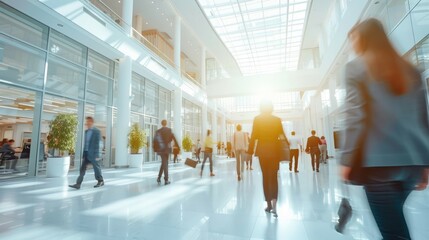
(313, 149)
(323, 149)
(267, 130)
(239, 144)
(295, 148)
(90, 154)
(249, 157)
(198, 150)
(386, 144)
(162, 146)
(176, 152)
(208, 153)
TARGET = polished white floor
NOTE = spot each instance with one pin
(133, 206)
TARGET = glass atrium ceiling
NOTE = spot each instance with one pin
(264, 36)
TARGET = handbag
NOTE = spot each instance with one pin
(285, 148)
(345, 211)
(191, 163)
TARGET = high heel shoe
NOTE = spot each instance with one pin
(268, 210)
(158, 180)
(274, 212)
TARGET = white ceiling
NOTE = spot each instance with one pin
(318, 13)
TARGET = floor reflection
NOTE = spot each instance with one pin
(133, 206)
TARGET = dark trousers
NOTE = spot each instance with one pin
(210, 157)
(386, 201)
(269, 168)
(95, 166)
(294, 156)
(197, 153)
(164, 166)
(315, 160)
(175, 158)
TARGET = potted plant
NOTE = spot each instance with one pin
(62, 139)
(187, 147)
(136, 141)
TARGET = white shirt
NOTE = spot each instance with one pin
(240, 141)
(295, 142)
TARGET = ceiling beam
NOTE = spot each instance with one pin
(301, 80)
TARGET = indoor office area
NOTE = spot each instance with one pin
(214, 119)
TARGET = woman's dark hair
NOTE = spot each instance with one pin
(387, 65)
(209, 132)
(322, 137)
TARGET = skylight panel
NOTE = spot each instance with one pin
(262, 35)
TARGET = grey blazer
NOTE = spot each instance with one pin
(94, 144)
(383, 129)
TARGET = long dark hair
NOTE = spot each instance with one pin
(385, 64)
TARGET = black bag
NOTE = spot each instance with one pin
(191, 163)
(158, 143)
(285, 148)
(344, 215)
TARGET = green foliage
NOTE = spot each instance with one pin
(187, 144)
(62, 133)
(136, 138)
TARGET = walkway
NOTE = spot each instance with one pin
(133, 206)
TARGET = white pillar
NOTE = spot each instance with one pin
(204, 120)
(139, 24)
(214, 124)
(177, 117)
(127, 16)
(223, 126)
(177, 42)
(332, 89)
(203, 67)
(123, 118)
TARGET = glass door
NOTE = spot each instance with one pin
(150, 128)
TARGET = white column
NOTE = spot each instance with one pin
(177, 117)
(177, 42)
(139, 24)
(332, 89)
(223, 126)
(203, 67)
(204, 121)
(127, 16)
(123, 118)
(214, 124)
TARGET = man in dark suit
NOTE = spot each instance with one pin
(9, 153)
(314, 150)
(162, 146)
(90, 154)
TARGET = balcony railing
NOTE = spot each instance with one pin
(151, 39)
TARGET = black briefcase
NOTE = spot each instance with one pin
(191, 163)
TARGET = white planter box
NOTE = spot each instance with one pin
(135, 160)
(57, 166)
(186, 155)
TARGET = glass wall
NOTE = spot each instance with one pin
(192, 120)
(150, 104)
(44, 73)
